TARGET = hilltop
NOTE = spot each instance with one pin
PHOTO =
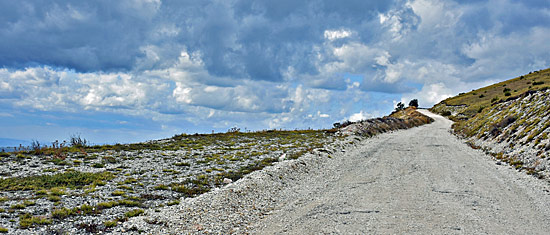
(508, 120)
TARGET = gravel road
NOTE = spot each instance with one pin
(418, 181)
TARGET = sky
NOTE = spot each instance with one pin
(134, 70)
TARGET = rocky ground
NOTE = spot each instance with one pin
(515, 132)
(418, 181)
(105, 189)
(96, 190)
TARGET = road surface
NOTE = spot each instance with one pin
(419, 181)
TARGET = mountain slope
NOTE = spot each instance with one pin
(467, 105)
(514, 130)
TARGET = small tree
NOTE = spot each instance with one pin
(413, 103)
(400, 106)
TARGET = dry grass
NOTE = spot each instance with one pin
(479, 99)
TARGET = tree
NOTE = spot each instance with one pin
(400, 106)
(413, 103)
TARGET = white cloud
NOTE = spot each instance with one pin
(227, 63)
(332, 35)
(362, 115)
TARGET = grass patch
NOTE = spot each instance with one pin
(62, 213)
(134, 213)
(118, 193)
(110, 223)
(73, 179)
(27, 221)
(175, 202)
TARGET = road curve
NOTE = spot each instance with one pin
(419, 181)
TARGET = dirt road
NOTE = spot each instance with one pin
(418, 181)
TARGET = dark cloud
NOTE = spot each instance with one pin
(81, 35)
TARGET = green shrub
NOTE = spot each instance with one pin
(98, 165)
(57, 191)
(3, 230)
(27, 221)
(106, 205)
(86, 210)
(54, 198)
(62, 213)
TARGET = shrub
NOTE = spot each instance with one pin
(3, 230)
(54, 198)
(400, 106)
(98, 165)
(538, 83)
(413, 103)
(507, 93)
(106, 205)
(480, 109)
(62, 213)
(76, 141)
(27, 221)
(446, 113)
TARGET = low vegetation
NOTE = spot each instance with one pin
(71, 179)
(467, 105)
(513, 128)
(107, 184)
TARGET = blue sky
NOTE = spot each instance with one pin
(134, 70)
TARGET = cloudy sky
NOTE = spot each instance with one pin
(133, 70)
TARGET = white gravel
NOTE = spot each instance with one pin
(417, 181)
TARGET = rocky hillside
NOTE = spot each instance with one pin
(402, 119)
(467, 105)
(512, 128)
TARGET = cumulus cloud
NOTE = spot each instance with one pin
(272, 63)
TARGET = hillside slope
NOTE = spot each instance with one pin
(513, 130)
(467, 105)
